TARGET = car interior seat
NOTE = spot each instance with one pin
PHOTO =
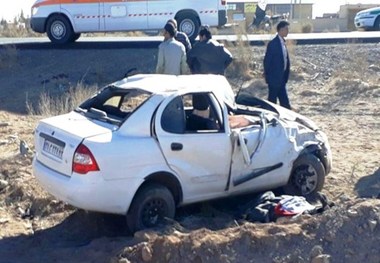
(200, 118)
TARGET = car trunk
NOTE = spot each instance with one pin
(57, 138)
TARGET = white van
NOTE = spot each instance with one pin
(65, 20)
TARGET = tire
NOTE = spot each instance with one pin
(75, 37)
(59, 30)
(150, 206)
(189, 24)
(376, 26)
(307, 176)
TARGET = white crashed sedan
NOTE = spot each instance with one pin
(144, 145)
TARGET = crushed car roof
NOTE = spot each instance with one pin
(164, 84)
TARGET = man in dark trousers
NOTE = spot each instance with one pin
(259, 13)
(277, 66)
(208, 56)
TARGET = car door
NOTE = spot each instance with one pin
(125, 15)
(200, 156)
(84, 14)
(262, 154)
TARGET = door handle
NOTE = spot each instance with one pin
(176, 146)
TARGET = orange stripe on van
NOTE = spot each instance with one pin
(130, 15)
(208, 11)
(91, 17)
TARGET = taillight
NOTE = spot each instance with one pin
(84, 161)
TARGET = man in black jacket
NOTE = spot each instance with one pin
(208, 56)
(277, 66)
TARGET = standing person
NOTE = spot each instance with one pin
(180, 36)
(208, 56)
(277, 66)
(171, 54)
(259, 13)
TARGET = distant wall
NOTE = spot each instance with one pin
(318, 25)
(330, 25)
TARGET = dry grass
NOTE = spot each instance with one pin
(356, 66)
(14, 31)
(54, 105)
(20, 31)
(243, 64)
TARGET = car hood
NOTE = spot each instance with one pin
(369, 10)
(284, 113)
(294, 116)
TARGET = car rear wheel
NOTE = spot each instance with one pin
(59, 30)
(307, 177)
(151, 205)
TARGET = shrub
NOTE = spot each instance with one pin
(307, 28)
(59, 104)
(241, 66)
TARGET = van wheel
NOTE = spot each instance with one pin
(307, 177)
(75, 37)
(189, 24)
(150, 206)
(59, 30)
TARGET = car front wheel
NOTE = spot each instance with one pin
(151, 205)
(307, 177)
(377, 23)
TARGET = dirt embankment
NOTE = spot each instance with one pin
(335, 85)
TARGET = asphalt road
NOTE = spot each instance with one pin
(153, 41)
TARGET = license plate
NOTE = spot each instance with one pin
(53, 149)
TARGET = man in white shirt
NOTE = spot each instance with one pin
(171, 54)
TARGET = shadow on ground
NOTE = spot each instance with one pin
(369, 186)
(85, 233)
(82, 233)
